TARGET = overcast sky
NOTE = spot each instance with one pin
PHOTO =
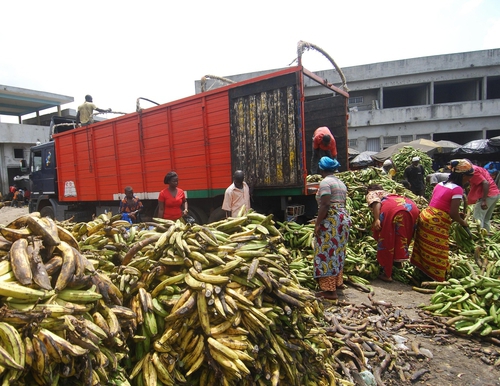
(118, 51)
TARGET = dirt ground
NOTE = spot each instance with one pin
(455, 360)
(8, 214)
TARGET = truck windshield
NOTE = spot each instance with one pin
(36, 163)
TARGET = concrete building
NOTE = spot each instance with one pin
(452, 97)
(444, 97)
(17, 138)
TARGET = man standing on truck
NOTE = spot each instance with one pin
(85, 116)
(324, 145)
(236, 195)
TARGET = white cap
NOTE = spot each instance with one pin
(387, 162)
(415, 159)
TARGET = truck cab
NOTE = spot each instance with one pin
(43, 178)
(42, 172)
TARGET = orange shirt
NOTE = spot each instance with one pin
(319, 133)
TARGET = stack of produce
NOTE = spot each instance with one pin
(361, 261)
(188, 304)
(55, 326)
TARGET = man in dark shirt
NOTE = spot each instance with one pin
(414, 174)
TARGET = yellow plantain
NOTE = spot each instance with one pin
(53, 349)
(53, 265)
(20, 262)
(15, 347)
(149, 372)
(29, 352)
(207, 278)
(15, 234)
(42, 358)
(203, 316)
(227, 351)
(101, 322)
(197, 350)
(43, 228)
(68, 267)
(67, 236)
(161, 370)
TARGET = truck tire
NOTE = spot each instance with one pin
(47, 211)
(198, 214)
(217, 215)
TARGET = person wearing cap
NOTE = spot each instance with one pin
(415, 175)
(394, 221)
(324, 145)
(388, 168)
(431, 247)
(85, 116)
(331, 230)
(484, 193)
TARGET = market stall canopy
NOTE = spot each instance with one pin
(495, 141)
(478, 147)
(363, 159)
(424, 145)
(448, 146)
(352, 152)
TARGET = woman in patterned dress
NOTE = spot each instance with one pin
(394, 221)
(331, 230)
(431, 249)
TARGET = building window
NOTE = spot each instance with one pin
(424, 136)
(388, 141)
(353, 143)
(355, 100)
(406, 138)
(457, 91)
(19, 153)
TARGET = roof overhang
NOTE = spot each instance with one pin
(20, 101)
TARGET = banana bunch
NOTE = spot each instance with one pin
(62, 338)
(314, 178)
(221, 299)
(471, 303)
(297, 236)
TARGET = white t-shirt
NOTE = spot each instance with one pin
(235, 198)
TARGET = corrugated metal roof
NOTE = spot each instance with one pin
(20, 101)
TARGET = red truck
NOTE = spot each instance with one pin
(263, 126)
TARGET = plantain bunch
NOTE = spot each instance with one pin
(65, 318)
(221, 306)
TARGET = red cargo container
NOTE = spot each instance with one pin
(262, 126)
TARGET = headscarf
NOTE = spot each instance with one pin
(328, 164)
(491, 167)
(462, 166)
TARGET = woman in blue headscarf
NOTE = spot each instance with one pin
(331, 230)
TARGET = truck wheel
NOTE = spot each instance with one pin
(198, 214)
(217, 215)
(47, 211)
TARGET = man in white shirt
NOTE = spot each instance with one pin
(236, 195)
